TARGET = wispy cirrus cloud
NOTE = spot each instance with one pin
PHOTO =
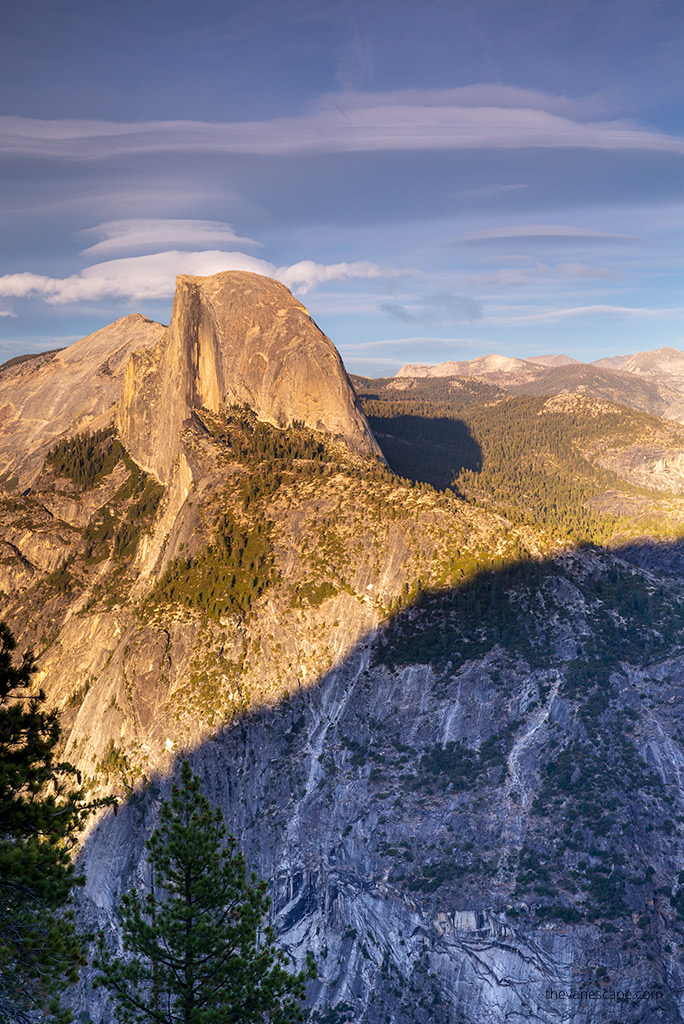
(153, 276)
(484, 117)
(509, 277)
(157, 232)
(550, 316)
(543, 231)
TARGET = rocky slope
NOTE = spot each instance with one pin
(75, 389)
(551, 360)
(454, 745)
(614, 385)
(658, 363)
(473, 815)
(665, 365)
(612, 361)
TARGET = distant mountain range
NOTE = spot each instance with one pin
(659, 361)
(612, 361)
(552, 360)
(649, 381)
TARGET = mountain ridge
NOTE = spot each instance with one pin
(641, 362)
(650, 381)
(448, 735)
(551, 360)
(64, 392)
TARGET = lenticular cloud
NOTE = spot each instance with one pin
(478, 117)
(158, 233)
(153, 276)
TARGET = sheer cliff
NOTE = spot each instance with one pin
(452, 741)
(475, 816)
(236, 339)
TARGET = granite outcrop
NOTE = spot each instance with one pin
(236, 339)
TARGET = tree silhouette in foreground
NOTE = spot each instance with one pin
(40, 816)
(194, 948)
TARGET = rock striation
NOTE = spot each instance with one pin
(62, 393)
(236, 339)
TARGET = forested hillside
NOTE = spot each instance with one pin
(535, 459)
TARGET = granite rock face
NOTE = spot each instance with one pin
(460, 839)
(457, 756)
(64, 393)
(236, 339)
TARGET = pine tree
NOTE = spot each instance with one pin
(40, 816)
(195, 951)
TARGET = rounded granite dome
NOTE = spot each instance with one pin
(237, 338)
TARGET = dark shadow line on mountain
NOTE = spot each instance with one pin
(481, 604)
(492, 613)
(431, 450)
(483, 597)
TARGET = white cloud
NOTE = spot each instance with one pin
(305, 275)
(490, 117)
(480, 94)
(7, 312)
(156, 232)
(153, 276)
(137, 277)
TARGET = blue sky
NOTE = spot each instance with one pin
(433, 181)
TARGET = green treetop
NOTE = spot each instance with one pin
(40, 815)
(195, 951)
